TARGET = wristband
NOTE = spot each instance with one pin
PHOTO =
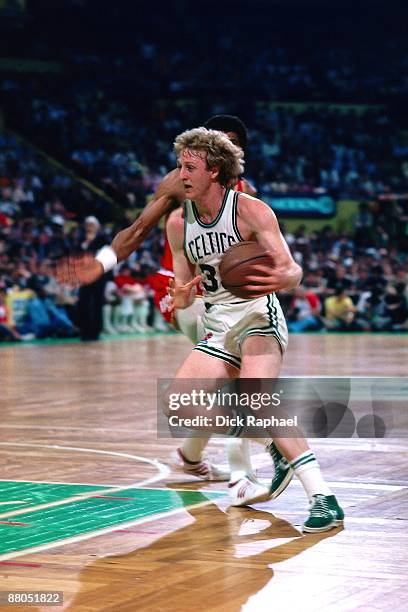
(107, 257)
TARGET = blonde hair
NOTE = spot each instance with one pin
(220, 152)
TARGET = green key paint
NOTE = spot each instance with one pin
(75, 518)
(35, 493)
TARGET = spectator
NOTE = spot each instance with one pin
(134, 307)
(50, 319)
(17, 304)
(395, 309)
(111, 304)
(340, 311)
(91, 297)
(8, 331)
(304, 312)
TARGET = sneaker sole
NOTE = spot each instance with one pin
(336, 523)
(210, 478)
(285, 482)
(179, 468)
(255, 500)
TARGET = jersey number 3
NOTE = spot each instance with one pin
(210, 283)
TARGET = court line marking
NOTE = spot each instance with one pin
(56, 482)
(163, 470)
(105, 530)
(377, 445)
(340, 484)
(63, 428)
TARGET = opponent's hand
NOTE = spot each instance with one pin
(79, 270)
(181, 294)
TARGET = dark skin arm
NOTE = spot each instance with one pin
(86, 269)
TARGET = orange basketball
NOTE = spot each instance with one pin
(241, 262)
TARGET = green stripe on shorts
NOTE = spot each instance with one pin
(215, 352)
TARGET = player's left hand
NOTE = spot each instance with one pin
(269, 279)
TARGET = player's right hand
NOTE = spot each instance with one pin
(182, 294)
(79, 270)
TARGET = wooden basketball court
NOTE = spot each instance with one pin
(89, 506)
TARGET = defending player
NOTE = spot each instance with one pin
(247, 338)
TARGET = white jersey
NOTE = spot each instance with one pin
(205, 244)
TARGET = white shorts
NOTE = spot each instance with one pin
(227, 325)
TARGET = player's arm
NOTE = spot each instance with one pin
(129, 239)
(256, 221)
(169, 193)
(87, 269)
(182, 288)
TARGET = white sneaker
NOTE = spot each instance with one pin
(204, 469)
(246, 491)
(28, 337)
(147, 329)
(135, 327)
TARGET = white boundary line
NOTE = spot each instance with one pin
(98, 532)
(339, 484)
(86, 484)
(163, 470)
(66, 428)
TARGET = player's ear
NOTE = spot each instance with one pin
(214, 173)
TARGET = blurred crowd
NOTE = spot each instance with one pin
(114, 114)
(350, 152)
(356, 282)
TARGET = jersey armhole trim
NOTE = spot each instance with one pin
(234, 217)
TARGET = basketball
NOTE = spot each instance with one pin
(240, 263)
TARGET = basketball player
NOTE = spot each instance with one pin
(169, 195)
(188, 321)
(244, 338)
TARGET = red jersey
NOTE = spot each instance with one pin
(240, 185)
(3, 314)
(124, 279)
(167, 257)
